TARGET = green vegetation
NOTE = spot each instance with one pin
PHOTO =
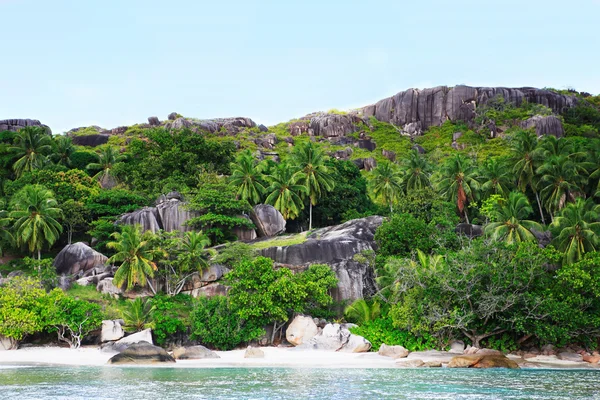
(280, 241)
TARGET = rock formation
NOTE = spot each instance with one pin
(416, 110)
(336, 337)
(254, 352)
(336, 246)
(169, 214)
(226, 125)
(78, 258)
(14, 125)
(142, 353)
(111, 330)
(268, 220)
(392, 351)
(549, 125)
(482, 361)
(193, 353)
(301, 329)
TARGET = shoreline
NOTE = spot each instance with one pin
(274, 358)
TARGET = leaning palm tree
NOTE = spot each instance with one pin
(284, 191)
(35, 213)
(246, 177)
(386, 183)
(63, 150)
(313, 173)
(107, 158)
(576, 229)
(559, 182)
(136, 256)
(495, 177)
(416, 172)
(509, 220)
(32, 146)
(194, 250)
(458, 182)
(361, 311)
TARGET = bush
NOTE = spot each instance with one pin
(235, 252)
(170, 317)
(402, 234)
(382, 330)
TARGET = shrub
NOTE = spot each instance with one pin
(170, 317)
(382, 330)
(402, 234)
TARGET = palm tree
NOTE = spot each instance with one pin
(107, 158)
(593, 167)
(313, 173)
(386, 183)
(525, 160)
(509, 223)
(416, 172)
(496, 177)
(576, 229)
(5, 233)
(63, 150)
(550, 146)
(136, 256)
(284, 191)
(360, 311)
(194, 253)
(35, 213)
(458, 182)
(137, 314)
(32, 145)
(559, 182)
(246, 176)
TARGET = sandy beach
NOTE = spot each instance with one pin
(274, 357)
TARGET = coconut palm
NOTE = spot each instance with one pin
(194, 250)
(137, 314)
(63, 150)
(246, 177)
(361, 311)
(458, 182)
(285, 191)
(495, 177)
(576, 229)
(559, 182)
(509, 220)
(35, 213)
(416, 172)
(136, 256)
(593, 167)
(313, 173)
(107, 158)
(5, 223)
(386, 183)
(32, 146)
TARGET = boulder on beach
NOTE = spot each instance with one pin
(392, 351)
(301, 329)
(127, 341)
(7, 343)
(111, 330)
(482, 361)
(336, 337)
(193, 353)
(254, 352)
(142, 353)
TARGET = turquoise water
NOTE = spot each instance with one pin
(289, 383)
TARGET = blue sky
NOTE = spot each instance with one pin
(117, 62)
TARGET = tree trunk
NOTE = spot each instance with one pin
(309, 215)
(466, 215)
(273, 333)
(537, 198)
(69, 234)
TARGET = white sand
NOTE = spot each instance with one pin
(274, 357)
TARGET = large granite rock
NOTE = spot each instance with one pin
(416, 110)
(302, 328)
(111, 330)
(392, 351)
(332, 125)
(142, 353)
(336, 337)
(7, 343)
(193, 353)
(14, 125)
(210, 290)
(147, 218)
(144, 336)
(78, 258)
(482, 361)
(218, 125)
(106, 286)
(254, 352)
(268, 220)
(469, 230)
(545, 125)
(336, 246)
(170, 214)
(91, 140)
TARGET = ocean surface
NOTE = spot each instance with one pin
(35, 382)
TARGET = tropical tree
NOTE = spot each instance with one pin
(313, 174)
(525, 160)
(35, 213)
(107, 159)
(593, 167)
(32, 146)
(285, 191)
(509, 220)
(386, 183)
(246, 177)
(576, 229)
(495, 177)
(63, 150)
(458, 182)
(559, 182)
(136, 255)
(361, 311)
(416, 172)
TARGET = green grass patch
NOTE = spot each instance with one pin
(111, 307)
(280, 241)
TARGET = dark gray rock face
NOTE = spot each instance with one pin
(78, 258)
(548, 125)
(142, 353)
(336, 246)
(15, 125)
(268, 220)
(332, 125)
(262, 128)
(194, 353)
(226, 125)
(169, 214)
(469, 230)
(153, 121)
(172, 116)
(432, 106)
(91, 140)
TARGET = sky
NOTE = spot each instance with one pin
(117, 62)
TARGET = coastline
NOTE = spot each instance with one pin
(274, 357)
